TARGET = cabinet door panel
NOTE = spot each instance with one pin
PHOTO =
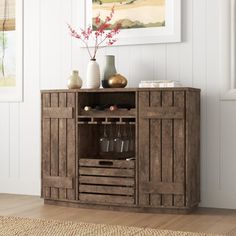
(162, 150)
(144, 144)
(58, 147)
(155, 148)
(179, 149)
(54, 145)
(46, 147)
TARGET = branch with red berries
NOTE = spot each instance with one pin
(103, 35)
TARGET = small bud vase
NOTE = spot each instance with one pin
(74, 81)
(93, 75)
(109, 70)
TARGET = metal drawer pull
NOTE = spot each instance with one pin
(106, 163)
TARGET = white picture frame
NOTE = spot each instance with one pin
(15, 94)
(170, 33)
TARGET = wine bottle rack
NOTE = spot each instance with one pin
(107, 113)
(106, 120)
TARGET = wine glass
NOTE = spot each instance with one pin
(118, 142)
(111, 140)
(104, 141)
(125, 139)
(131, 139)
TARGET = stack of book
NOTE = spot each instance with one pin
(159, 84)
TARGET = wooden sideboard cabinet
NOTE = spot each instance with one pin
(158, 166)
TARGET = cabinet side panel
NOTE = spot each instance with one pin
(144, 147)
(54, 145)
(155, 149)
(192, 147)
(62, 146)
(46, 147)
(71, 146)
(167, 148)
(179, 148)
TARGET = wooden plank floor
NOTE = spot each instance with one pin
(202, 220)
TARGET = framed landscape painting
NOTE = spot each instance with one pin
(11, 50)
(142, 21)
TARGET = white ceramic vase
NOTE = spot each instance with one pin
(74, 81)
(93, 75)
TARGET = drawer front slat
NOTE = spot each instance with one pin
(106, 181)
(107, 163)
(106, 172)
(106, 189)
(106, 199)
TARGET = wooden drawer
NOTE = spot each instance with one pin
(107, 181)
(119, 164)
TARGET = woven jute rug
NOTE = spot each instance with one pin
(15, 226)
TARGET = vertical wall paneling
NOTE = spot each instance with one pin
(14, 141)
(29, 111)
(55, 42)
(173, 62)
(4, 140)
(160, 62)
(213, 102)
(200, 78)
(134, 63)
(186, 47)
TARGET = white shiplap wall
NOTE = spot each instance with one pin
(50, 55)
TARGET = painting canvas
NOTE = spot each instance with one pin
(132, 14)
(11, 50)
(143, 21)
(7, 59)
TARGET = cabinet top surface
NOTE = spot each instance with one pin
(102, 90)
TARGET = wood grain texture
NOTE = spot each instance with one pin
(167, 148)
(192, 147)
(106, 181)
(106, 199)
(54, 145)
(62, 144)
(46, 147)
(162, 112)
(179, 149)
(119, 90)
(106, 189)
(215, 221)
(71, 142)
(155, 149)
(58, 112)
(164, 188)
(57, 156)
(165, 153)
(106, 172)
(58, 182)
(144, 150)
(107, 163)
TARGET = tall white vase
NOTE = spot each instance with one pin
(93, 75)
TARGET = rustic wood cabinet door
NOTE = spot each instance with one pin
(162, 148)
(58, 146)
